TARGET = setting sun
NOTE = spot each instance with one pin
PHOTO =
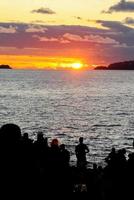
(77, 65)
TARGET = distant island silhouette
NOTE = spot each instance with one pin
(5, 67)
(126, 65)
(101, 68)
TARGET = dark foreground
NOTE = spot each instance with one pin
(28, 166)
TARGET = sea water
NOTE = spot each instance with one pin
(97, 105)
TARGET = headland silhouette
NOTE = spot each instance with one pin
(126, 65)
(5, 67)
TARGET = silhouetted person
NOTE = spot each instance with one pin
(54, 179)
(65, 155)
(111, 159)
(81, 150)
(11, 164)
(26, 139)
(55, 156)
(40, 139)
(40, 144)
(28, 154)
(41, 152)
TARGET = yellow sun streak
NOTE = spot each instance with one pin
(77, 65)
(40, 62)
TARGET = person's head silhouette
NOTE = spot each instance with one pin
(10, 133)
(40, 136)
(81, 140)
(55, 143)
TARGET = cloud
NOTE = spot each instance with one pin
(75, 38)
(35, 28)
(46, 39)
(123, 45)
(78, 17)
(122, 6)
(129, 21)
(123, 34)
(69, 38)
(64, 41)
(44, 11)
(9, 29)
(115, 26)
(61, 40)
(90, 38)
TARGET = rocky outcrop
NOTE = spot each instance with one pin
(5, 67)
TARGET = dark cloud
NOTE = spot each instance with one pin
(44, 11)
(120, 32)
(122, 6)
(129, 21)
(78, 17)
(115, 26)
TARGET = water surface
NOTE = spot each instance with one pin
(98, 105)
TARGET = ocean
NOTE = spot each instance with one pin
(97, 105)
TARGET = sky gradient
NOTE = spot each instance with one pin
(66, 34)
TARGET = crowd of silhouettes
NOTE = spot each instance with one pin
(36, 166)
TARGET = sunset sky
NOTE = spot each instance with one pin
(63, 34)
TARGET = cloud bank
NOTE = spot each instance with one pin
(114, 43)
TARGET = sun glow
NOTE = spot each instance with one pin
(43, 62)
(77, 65)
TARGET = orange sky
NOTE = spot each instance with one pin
(41, 62)
(68, 34)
